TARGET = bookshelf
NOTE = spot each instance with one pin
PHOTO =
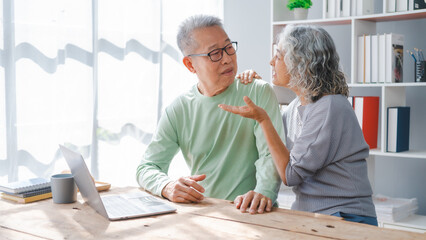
(345, 31)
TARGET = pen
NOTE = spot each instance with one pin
(411, 53)
(417, 53)
(421, 55)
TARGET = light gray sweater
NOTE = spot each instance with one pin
(327, 166)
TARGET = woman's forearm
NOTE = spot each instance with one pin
(278, 150)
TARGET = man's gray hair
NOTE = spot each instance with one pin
(185, 40)
(312, 61)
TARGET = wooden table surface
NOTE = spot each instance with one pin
(211, 219)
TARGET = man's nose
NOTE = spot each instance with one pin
(225, 57)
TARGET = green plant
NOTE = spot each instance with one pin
(292, 4)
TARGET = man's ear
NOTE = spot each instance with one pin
(188, 64)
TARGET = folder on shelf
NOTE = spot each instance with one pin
(398, 129)
(367, 59)
(375, 58)
(401, 5)
(367, 112)
(391, 6)
(361, 59)
(382, 58)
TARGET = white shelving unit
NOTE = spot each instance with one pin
(345, 30)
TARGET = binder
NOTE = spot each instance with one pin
(398, 129)
(367, 112)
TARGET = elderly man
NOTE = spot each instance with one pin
(228, 156)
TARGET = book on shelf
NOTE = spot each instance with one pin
(26, 199)
(361, 59)
(394, 57)
(401, 5)
(364, 7)
(367, 59)
(367, 112)
(375, 58)
(25, 185)
(419, 4)
(345, 8)
(382, 58)
(391, 6)
(398, 129)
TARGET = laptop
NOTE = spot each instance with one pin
(113, 207)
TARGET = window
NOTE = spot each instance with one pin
(93, 75)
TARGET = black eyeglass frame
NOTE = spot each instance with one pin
(221, 52)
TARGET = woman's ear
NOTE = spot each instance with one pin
(188, 64)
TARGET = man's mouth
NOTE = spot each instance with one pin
(228, 71)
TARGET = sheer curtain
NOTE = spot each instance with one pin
(92, 75)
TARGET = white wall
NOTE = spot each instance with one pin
(248, 22)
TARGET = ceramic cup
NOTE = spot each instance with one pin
(64, 189)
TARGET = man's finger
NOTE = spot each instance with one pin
(255, 203)
(246, 201)
(238, 201)
(262, 205)
(193, 184)
(269, 205)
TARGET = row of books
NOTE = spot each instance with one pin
(347, 8)
(380, 58)
(394, 209)
(404, 5)
(398, 123)
(29, 190)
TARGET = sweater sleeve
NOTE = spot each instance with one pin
(267, 178)
(152, 171)
(311, 149)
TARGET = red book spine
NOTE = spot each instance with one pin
(370, 122)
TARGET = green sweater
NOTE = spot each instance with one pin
(231, 150)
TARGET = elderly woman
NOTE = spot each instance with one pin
(324, 158)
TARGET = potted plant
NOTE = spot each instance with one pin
(300, 8)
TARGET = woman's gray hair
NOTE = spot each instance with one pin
(312, 62)
(185, 40)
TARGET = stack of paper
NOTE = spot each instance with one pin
(285, 198)
(394, 209)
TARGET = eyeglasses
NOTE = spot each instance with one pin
(217, 54)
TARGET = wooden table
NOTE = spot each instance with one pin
(211, 219)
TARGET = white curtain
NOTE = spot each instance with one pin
(92, 75)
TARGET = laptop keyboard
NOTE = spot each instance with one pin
(118, 206)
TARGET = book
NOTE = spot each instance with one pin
(345, 8)
(419, 4)
(401, 5)
(25, 185)
(331, 8)
(391, 6)
(374, 58)
(367, 112)
(361, 59)
(382, 58)
(26, 199)
(367, 59)
(398, 129)
(31, 193)
(394, 57)
(364, 7)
